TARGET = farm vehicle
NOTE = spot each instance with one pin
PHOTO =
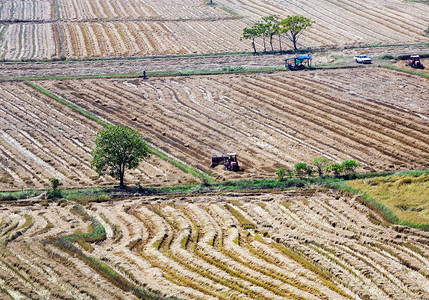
(363, 59)
(415, 62)
(229, 161)
(298, 63)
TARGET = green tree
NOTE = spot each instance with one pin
(272, 28)
(294, 26)
(321, 164)
(250, 34)
(281, 174)
(262, 30)
(118, 148)
(349, 166)
(336, 168)
(301, 169)
(54, 192)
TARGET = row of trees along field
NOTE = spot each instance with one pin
(292, 27)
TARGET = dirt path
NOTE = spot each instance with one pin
(73, 68)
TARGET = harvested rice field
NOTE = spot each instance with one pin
(41, 139)
(375, 116)
(299, 244)
(77, 29)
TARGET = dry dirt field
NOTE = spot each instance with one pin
(42, 139)
(303, 244)
(54, 29)
(376, 116)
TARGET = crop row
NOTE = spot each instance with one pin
(28, 10)
(269, 120)
(137, 9)
(303, 244)
(346, 21)
(28, 41)
(38, 144)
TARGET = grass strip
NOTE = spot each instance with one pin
(160, 154)
(72, 106)
(415, 72)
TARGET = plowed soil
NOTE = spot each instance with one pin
(305, 244)
(378, 117)
(42, 139)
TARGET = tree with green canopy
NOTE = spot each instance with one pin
(250, 33)
(118, 148)
(294, 26)
(272, 28)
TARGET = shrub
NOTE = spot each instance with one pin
(321, 164)
(336, 168)
(54, 192)
(281, 174)
(301, 169)
(349, 166)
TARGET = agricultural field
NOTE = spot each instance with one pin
(375, 116)
(299, 244)
(77, 29)
(41, 139)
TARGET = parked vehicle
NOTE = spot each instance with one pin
(363, 59)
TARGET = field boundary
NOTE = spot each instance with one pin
(152, 148)
(207, 55)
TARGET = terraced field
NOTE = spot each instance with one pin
(378, 117)
(303, 244)
(42, 139)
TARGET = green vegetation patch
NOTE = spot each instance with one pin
(403, 198)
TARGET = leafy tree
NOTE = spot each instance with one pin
(321, 163)
(262, 29)
(349, 166)
(281, 174)
(54, 192)
(118, 148)
(336, 168)
(294, 26)
(301, 169)
(272, 28)
(250, 34)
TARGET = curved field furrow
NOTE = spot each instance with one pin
(359, 119)
(38, 144)
(296, 244)
(269, 120)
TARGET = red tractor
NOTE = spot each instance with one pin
(414, 62)
(229, 161)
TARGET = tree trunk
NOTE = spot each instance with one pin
(280, 42)
(263, 37)
(271, 43)
(253, 44)
(121, 177)
(294, 43)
